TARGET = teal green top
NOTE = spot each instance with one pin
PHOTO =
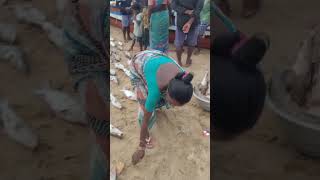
(205, 13)
(150, 72)
(226, 21)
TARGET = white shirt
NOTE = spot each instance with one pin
(137, 28)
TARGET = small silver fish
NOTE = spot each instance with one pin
(15, 56)
(8, 33)
(113, 174)
(112, 44)
(28, 14)
(121, 67)
(204, 83)
(55, 34)
(120, 43)
(129, 94)
(114, 79)
(115, 102)
(111, 38)
(127, 54)
(115, 132)
(16, 128)
(112, 72)
(63, 105)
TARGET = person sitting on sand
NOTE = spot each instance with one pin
(239, 86)
(159, 81)
(137, 28)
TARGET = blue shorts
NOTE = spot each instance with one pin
(125, 21)
(191, 37)
(202, 29)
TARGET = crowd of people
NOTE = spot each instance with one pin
(152, 19)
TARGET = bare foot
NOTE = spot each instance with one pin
(197, 52)
(188, 63)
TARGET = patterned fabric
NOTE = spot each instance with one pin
(217, 13)
(138, 81)
(159, 31)
(85, 35)
(159, 28)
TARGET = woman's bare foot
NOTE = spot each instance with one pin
(150, 143)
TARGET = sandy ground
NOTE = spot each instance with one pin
(64, 148)
(181, 152)
(264, 152)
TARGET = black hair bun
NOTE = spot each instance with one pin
(188, 78)
(179, 75)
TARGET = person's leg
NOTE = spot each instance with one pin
(98, 114)
(192, 42)
(133, 42)
(197, 51)
(124, 28)
(250, 7)
(140, 43)
(128, 29)
(179, 40)
(128, 33)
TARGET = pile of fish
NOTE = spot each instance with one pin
(204, 86)
(26, 13)
(116, 54)
(303, 79)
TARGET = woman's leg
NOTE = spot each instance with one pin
(132, 45)
(141, 44)
(98, 113)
